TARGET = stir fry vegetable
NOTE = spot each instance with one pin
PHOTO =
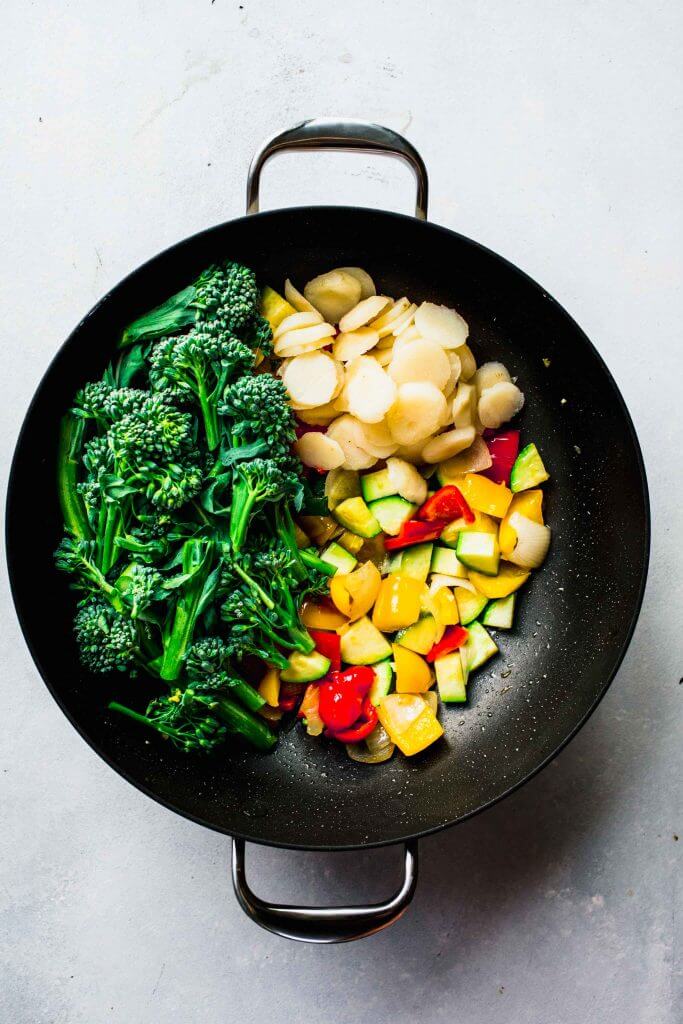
(307, 503)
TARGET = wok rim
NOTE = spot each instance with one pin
(441, 826)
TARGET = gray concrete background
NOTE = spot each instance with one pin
(552, 133)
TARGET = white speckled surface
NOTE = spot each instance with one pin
(552, 134)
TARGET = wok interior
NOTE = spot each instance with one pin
(574, 619)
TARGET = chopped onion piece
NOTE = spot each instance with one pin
(376, 748)
(533, 541)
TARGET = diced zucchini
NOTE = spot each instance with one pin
(416, 561)
(482, 524)
(450, 678)
(395, 562)
(446, 562)
(479, 551)
(384, 675)
(377, 485)
(335, 555)
(469, 605)
(421, 636)
(465, 663)
(341, 484)
(500, 614)
(363, 644)
(479, 646)
(354, 515)
(391, 513)
(304, 668)
(351, 542)
(528, 470)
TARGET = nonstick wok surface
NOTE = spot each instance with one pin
(574, 620)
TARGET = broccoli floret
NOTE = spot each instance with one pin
(106, 639)
(261, 601)
(197, 367)
(90, 402)
(79, 558)
(257, 409)
(260, 336)
(206, 657)
(255, 483)
(226, 295)
(155, 429)
(187, 722)
(208, 667)
(198, 722)
(239, 298)
(140, 586)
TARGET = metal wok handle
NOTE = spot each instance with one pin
(323, 924)
(329, 133)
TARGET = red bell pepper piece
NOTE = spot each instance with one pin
(445, 506)
(503, 448)
(342, 695)
(454, 637)
(329, 645)
(362, 728)
(415, 532)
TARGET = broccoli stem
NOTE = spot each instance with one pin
(209, 415)
(109, 551)
(70, 445)
(246, 694)
(197, 558)
(240, 721)
(243, 499)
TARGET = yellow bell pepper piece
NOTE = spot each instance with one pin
(527, 503)
(398, 602)
(409, 721)
(509, 579)
(274, 308)
(269, 687)
(320, 616)
(413, 674)
(486, 496)
(482, 524)
(354, 593)
(445, 607)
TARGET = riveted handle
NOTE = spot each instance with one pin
(323, 924)
(331, 133)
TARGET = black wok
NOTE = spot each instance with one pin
(575, 620)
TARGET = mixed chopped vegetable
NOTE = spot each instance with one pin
(304, 504)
